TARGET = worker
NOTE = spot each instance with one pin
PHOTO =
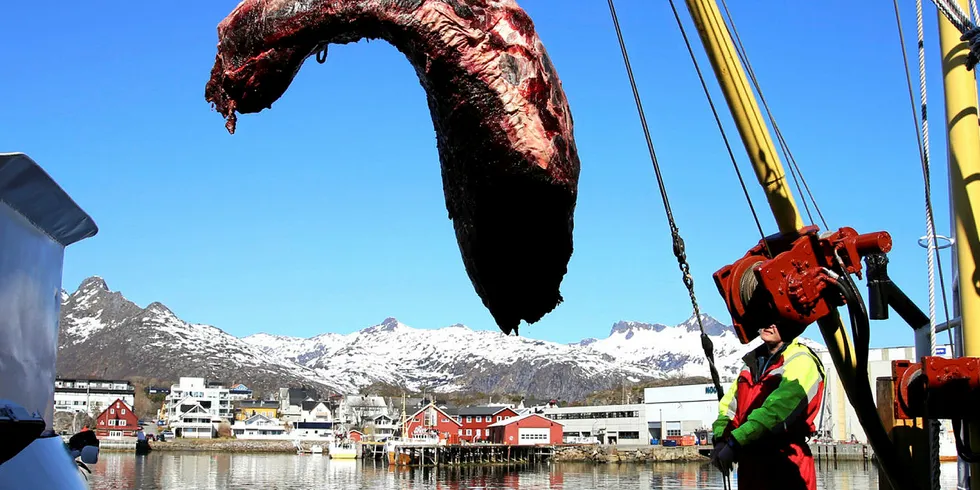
(766, 416)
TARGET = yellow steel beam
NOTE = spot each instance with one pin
(963, 151)
(745, 110)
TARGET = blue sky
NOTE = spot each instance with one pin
(326, 213)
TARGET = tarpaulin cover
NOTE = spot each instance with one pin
(29, 190)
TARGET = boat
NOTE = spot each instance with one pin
(343, 450)
(143, 447)
(316, 449)
(38, 221)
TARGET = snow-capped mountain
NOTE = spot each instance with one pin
(104, 334)
(457, 357)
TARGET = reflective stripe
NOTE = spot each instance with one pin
(727, 408)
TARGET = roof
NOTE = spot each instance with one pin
(310, 405)
(31, 192)
(240, 387)
(520, 418)
(450, 417)
(481, 410)
(257, 404)
(297, 395)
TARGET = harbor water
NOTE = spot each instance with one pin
(203, 470)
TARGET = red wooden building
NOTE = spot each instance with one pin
(475, 421)
(430, 423)
(355, 435)
(117, 421)
(527, 430)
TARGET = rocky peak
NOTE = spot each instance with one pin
(711, 326)
(389, 324)
(629, 327)
(92, 284)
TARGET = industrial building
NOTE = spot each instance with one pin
(680, 410)
(605, 424)
(91, 395)
(838, 420)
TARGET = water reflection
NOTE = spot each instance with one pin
(167, 470)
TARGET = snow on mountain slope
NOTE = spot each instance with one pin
(457, 357)
(105, 335)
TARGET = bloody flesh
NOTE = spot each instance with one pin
(503, 127)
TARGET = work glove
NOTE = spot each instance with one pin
(723, 454)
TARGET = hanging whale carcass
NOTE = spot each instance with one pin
(503, 127)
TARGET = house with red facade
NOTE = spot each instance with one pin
(432, 423)
(476, 420)
(527, 430)
(117, 421)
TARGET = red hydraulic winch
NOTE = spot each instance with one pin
(798, 278)
(783, 278)
(952, 387)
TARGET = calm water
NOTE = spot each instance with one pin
(232, 471)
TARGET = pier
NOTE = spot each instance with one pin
(458, 454)
(841, 451)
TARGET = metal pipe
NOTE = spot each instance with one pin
(745, 111)
(963, 152)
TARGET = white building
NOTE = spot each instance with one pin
(605, 424)
(259, 427)
(382, 427)
(680, 410)
(191, 392)
(357, 410)
(314, 411)
(838, 418)
(90, 395)
(195, 423)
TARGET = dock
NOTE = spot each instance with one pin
(841, 451)
(458, 454)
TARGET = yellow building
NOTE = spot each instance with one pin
(247, 408)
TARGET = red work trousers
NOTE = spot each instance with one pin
(787, 466)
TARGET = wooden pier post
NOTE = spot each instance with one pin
(909, 436)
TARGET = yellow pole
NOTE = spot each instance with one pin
(963, 152)
(745, 110)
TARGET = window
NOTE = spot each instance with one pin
(499, 418)
(123, 411)
(460, 431)
(479, 418)
(629, 435)
(469, 419)
(673, 432)
(477, 432)
(112, 411)
(469, 432)
(534, 437)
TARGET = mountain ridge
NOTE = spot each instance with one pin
(103, 334)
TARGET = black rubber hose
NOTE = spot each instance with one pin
(884, 449)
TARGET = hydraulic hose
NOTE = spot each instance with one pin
(851, 361)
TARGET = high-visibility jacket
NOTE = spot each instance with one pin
(770, 411)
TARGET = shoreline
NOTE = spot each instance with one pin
(562, 454)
